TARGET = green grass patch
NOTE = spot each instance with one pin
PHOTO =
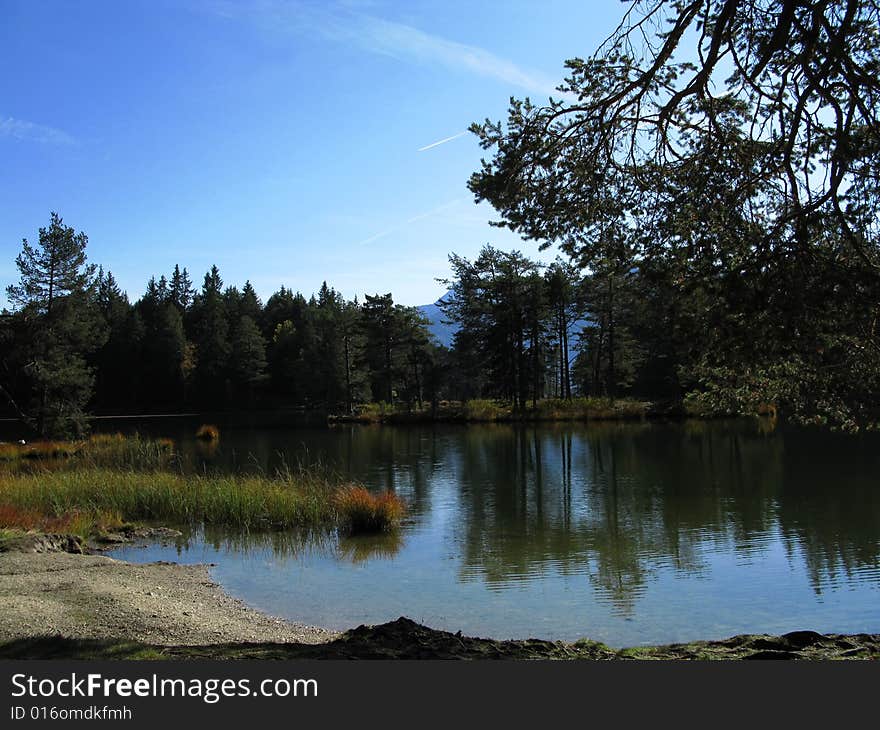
(82, 498)
(7, 534)
(484, 410)
(592, 408)
(95, 485)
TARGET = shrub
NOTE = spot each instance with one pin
(360, 510)
(208, 432)
(484, 410)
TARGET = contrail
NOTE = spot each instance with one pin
(442, 141)
(433, 211)
(415, 218)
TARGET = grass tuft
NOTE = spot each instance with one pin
(298, 499)
(360, 510)
(208, 432)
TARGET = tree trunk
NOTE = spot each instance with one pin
(418, 380)
(612, 376)
(561, 336)
(348, 396)
(389, 388)
(535, 375)
(567, 363)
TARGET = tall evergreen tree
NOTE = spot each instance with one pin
(250, 304)
(566, 306)
(54, 300)
(116, 361)
(352, 345)
(329, 347)
(247, 359)
(211, 338)
(377, 321)
(180, 289)
(497, 301)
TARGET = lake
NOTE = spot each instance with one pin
(626, 533)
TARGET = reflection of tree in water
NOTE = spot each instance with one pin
(829, 505)
(512, 514)
(526, 508)
(621, 502)
(402, 460)
(617, 501)
(619, 534)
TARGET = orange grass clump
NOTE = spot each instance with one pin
(362, 511)
(208, 432)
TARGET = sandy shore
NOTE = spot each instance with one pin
(96, 597)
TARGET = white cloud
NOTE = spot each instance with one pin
(408, 43)
(24, 130)
(377, 35)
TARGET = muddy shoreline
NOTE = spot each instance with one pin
(66, 605)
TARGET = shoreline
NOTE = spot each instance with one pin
(63, 605)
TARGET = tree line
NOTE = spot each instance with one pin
(74, 342)
(525, 331)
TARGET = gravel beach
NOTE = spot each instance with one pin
(96, 597)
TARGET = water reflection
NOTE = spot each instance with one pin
(687, 522)
(364, 548)
(292, 544)
(619, 502)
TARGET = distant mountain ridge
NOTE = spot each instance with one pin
(442, 331)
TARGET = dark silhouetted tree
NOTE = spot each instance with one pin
(60, 325)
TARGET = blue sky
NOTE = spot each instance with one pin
(287, 142)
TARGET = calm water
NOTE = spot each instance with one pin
(627, 534)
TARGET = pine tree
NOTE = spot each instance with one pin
(181, 289)
(211, 336)
(54, 299)
(247, 361)
(329, 347)
(116, 361)
(377, 321)
(250, 305)
(351, 335)
(562, 281)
